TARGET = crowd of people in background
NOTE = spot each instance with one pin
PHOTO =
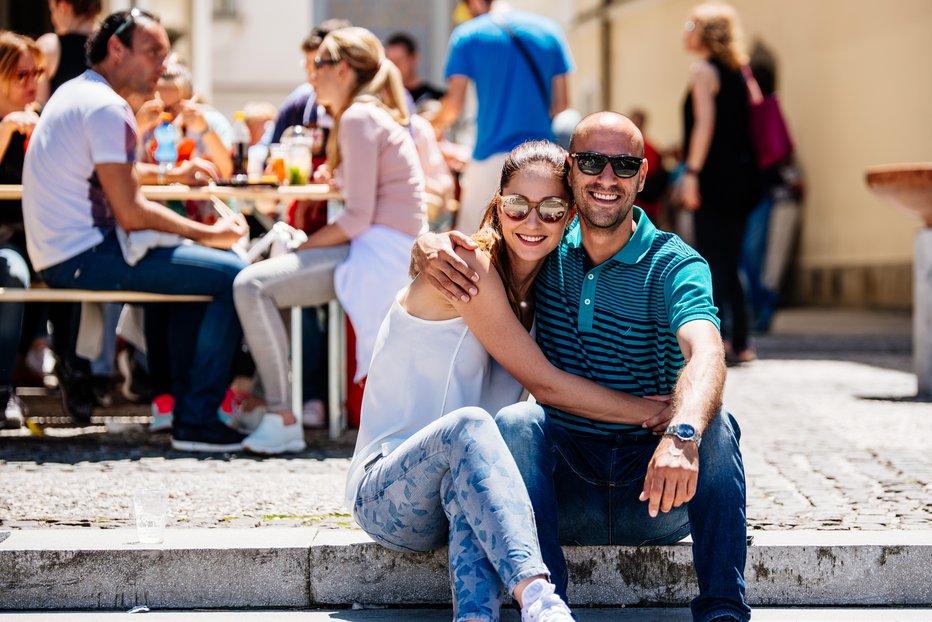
(713, 179)
(699, 178)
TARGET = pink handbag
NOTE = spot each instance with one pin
(769, 133)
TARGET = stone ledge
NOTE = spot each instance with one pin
(307, 567)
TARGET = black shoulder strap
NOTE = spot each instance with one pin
(501, 23)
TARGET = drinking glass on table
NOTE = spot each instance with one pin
(299, 161)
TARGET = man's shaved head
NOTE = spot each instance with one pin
(622, 130)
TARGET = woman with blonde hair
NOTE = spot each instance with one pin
(361, 257)
(721, 179)
(21, 67)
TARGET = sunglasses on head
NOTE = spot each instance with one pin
(131, 18)
(592, 163)
(550, 209)
(22, 76)
(319, 61)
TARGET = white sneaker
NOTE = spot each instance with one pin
(274, 437)
(249, 420)
(314, 414)
(41, 361)
(542, 605)
(12, 411)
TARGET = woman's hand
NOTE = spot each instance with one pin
(192, 117)
(21, 121)
(689, 193)
(322, 175)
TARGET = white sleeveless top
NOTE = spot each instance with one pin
(420, 371)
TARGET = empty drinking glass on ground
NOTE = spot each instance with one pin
(151, 507)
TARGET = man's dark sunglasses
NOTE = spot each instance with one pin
(592, 163)
(131, 18)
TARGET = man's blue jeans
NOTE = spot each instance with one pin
(202, 337)
(585, 492)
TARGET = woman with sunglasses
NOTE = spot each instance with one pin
(362, 256)
(430, 466)
(721, 183)
(21, 66)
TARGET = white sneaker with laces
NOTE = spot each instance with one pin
(274, 437)
(542, 605)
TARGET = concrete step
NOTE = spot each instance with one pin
(632, 614)
(307, 567)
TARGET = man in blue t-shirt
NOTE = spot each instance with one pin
(629, 307)
(516, 100)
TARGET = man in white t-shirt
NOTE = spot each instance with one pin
(81, 182)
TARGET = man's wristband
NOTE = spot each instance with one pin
(693, 171)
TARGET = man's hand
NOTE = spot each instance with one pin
(434, 256)
(671, 475)
(659, 422)
(194, 172)
(226, 232)
(147, 117)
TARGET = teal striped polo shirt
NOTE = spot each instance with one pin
(616, 323)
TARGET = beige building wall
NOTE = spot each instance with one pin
(855, 90)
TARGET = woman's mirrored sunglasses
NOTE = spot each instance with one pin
(550, 209)
(592, 163)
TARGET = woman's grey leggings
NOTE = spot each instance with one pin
(303, 278)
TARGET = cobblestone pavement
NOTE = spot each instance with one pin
(832, 435)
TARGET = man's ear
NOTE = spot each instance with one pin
(115, 48)
(643, 174)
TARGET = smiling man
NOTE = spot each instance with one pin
(81, 182)
(630, 307)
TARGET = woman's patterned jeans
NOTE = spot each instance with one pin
(455, 482)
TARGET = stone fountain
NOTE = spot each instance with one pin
(909, 187)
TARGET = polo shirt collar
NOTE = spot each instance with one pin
(632, 252)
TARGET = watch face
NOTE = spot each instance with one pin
(685, 431)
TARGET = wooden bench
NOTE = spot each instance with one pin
(336, 337)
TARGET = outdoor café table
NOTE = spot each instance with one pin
(336, 334)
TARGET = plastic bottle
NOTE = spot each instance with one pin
(166, 136)
(241, 141)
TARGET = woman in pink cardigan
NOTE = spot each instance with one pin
(361, 257)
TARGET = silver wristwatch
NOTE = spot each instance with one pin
(684, 432)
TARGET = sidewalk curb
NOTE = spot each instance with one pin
(307, 567)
